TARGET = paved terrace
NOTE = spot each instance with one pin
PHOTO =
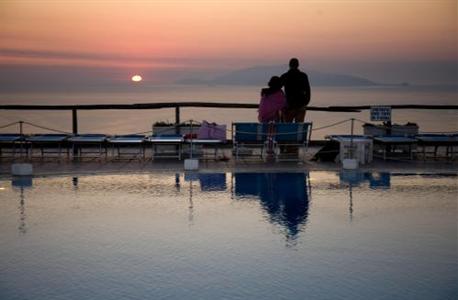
(53, 167)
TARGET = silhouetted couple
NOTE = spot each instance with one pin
(288, 106)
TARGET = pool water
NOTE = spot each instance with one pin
(313, 235)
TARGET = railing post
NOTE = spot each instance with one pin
(74, 122)
(74, 129)
(177, 119)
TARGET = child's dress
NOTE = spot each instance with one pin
(271, 106)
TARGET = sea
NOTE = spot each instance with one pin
(136, 121)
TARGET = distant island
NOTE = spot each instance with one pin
(259, 75)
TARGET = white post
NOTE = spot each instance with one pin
(350, 163)
(191, 163)
(351, 138)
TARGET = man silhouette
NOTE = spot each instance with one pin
(297, 91)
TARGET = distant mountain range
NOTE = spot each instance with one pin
(260, 75)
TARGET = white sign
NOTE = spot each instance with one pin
(380, 113)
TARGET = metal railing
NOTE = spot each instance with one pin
(179, 105)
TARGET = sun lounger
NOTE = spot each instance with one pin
(164, 142)
(128, 141)
(12, 141)
(85, 142)
(205, 143)
(46, 143)
(247, 136)
(395, 146)
(435, 141)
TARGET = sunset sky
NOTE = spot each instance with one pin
(386, 41)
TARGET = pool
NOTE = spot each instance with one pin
(312, 235)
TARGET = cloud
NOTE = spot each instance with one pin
(30, 56)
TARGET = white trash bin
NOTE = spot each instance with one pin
(21, 169)
(362, 149)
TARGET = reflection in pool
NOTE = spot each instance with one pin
(284, 196)
(230, 236)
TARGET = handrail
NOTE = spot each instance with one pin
(159, 105)
(177, 105)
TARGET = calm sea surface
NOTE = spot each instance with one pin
(127, 121)
(317, 235)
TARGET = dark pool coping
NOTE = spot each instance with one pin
(44, 168)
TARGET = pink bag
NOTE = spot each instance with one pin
(212, 131)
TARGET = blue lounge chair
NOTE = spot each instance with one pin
(83, 143)
(449, 141)
(128, 141)
(47, 143)
(205, 143)
(395, 146)
(248, 135)
(12, 141)
(165, 141)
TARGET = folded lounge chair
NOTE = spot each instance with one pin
(209, 135)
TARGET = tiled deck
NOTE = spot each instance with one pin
(52, 166)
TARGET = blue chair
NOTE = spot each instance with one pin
(47, 142)
(248, 135)
(395, 146)
(128, 141)
(291, 135)
(12, 141)
(449, 141)
(165, 141)
(86, 141)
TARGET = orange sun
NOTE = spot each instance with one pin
(136, 78)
